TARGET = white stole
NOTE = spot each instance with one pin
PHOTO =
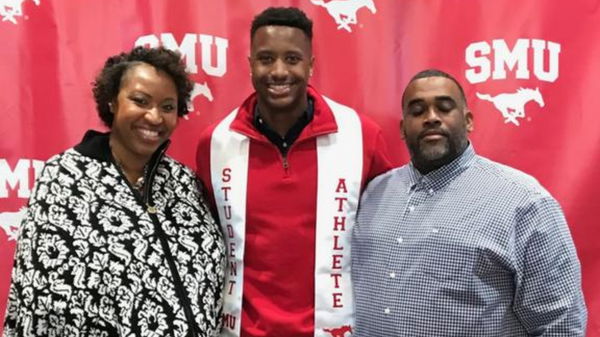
(340, 164)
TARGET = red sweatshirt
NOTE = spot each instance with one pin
(279, 257)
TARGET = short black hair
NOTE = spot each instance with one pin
(435, 73)
(108, 82)
(282, 16)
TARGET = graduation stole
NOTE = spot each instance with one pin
(340, 164)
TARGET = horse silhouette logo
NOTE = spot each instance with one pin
(512, 105)
(339, 332)
(9, 9)
(344, 11)
(200, 89)
(11, 221)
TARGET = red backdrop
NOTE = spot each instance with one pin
(366, 50)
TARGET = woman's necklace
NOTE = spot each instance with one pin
(139, 183)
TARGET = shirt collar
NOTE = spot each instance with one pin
(323, 122)
(306, 117)
(445, 174)
(284, 143)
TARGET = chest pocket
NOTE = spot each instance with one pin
(447, 254)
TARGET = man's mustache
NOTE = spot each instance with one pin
(436, 131)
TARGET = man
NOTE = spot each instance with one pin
(285, 171)
(454, 244)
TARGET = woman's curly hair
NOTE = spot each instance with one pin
(108, 82)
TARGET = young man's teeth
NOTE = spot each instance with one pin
(149, 133)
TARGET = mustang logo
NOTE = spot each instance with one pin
(11, 221)
(512, 106)
(11, 8)
(339, 332)
(199, 90)
(344, 11)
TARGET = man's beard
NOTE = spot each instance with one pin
(429, 157)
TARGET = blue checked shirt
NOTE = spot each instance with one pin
(474, 248)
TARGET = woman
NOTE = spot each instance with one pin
(117, 240)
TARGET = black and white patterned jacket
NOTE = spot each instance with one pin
(95, 259)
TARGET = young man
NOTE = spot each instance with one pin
(454, 244)
(285, 171)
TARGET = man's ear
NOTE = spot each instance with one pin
(469, 120)
(402, 134)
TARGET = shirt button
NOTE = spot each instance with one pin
(399, 240)
(392, 275)
(430, 191)
(284, 144)
(386, 311)
(411, 208)
(435, 230)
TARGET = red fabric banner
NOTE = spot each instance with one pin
(530, 74)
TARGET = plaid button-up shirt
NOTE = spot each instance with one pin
(474, 248)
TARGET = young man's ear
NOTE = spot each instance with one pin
(250, 64)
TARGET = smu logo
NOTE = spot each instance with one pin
(344, 11)
(10, 223)
(207, 44)
(491, 61)
(9, 9)
(512, 106)
(16, 182)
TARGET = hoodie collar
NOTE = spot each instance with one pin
(323, 121)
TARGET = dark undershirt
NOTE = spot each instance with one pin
(284, 143)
